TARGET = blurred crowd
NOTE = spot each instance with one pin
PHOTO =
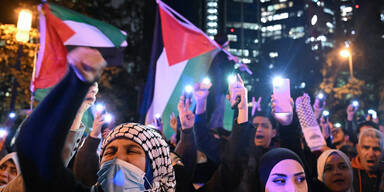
(290, 147)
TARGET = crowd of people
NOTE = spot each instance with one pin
(262, 152)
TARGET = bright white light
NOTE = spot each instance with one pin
(207, 81)
(338, 125)
(325, 113)
(108, 118)
(157, 115)
(24, 25)
(188, 89)
(3, 132)
(231, 79)
(344, 53)
(314, 20)
(320, 95)
(99, 107)
(277, 81)
(355, 103)
(302, 85)
(373, 113)
(12, 115)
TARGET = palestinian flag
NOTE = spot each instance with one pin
(181, 55)
(62, 29)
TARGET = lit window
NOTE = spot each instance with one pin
(330, 25)
(212, 4)
(212, 31)
(212, 17)
(321, 38)
(263, 20)
(246, 60)
(296, 32)
(255, 53)
(290, 4)
(273, 54)
(232, 37)
(212, 11)
(326, 10)
(300, 13)
(280, 16)
(212, 24)
(245, 52)
(382, 17)
(256, 41)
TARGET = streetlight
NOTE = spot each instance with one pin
(24, 23)
(347, 54)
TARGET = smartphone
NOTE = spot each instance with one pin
(188, 91)
(321, 98)
(326, 115)
(282, 93)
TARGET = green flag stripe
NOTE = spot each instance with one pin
(194, 71)
(113, 33)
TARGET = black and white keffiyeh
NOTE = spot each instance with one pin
(156, 148)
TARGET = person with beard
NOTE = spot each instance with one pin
(132, 155)
(369, 150)
(334, 170)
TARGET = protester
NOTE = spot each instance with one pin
(133, 148)
(282, 170)
(335, 171)
(369, 151)
(10, 174)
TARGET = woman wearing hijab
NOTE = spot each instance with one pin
(335, 171)
(282, 170)
(10, 175)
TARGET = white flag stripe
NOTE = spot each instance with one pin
(87, 35)
(166, 80)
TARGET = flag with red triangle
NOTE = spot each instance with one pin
(181, 56)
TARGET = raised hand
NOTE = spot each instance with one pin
(256, 105)
(173, 122)
(98, 123)
(351, 112)
(325, 127)
(318, 107)
(88, 63)
(283, 118)
(237, 89)
(90, 98)
(187, 118)
(200, 93)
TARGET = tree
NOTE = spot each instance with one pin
(8, 56)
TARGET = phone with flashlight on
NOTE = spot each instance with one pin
(326, 115)
(282, 95)
(107, 117)
(321, 97)
(233, 81)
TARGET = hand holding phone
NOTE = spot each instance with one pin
(282, 95)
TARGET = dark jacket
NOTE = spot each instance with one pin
(362, 180)
(41, 140)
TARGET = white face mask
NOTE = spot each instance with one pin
(120, 176)
(288, 176)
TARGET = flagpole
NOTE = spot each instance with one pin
(205, 35)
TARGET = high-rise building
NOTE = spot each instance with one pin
(278, 37)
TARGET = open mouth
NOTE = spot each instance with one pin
(371, 161)
(339, 181)
(2, 182)
(259, 136)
